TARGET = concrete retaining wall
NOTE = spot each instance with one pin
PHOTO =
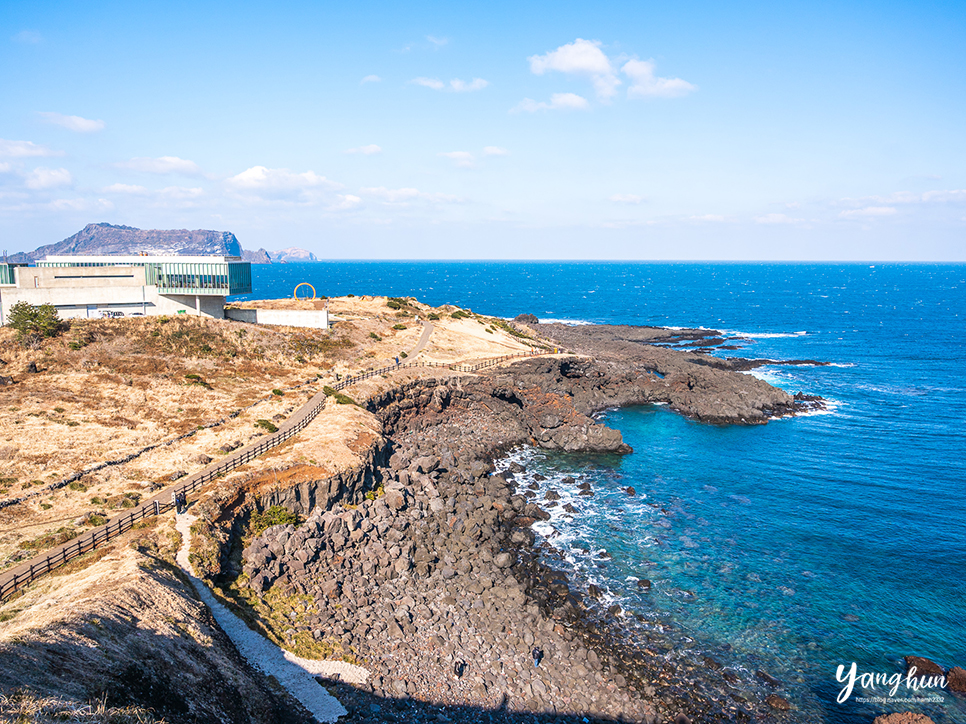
(314, 318)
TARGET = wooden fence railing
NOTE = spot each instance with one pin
(12, 581)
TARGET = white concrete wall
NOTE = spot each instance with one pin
(314, 318)
(33, 277)
(242, 315)
(91, 302)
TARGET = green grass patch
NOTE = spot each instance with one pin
(266, 425)
(275, 515)
(338, 396)
(50, 540)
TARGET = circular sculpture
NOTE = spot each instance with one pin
(295, 294)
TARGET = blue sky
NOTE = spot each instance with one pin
(493, 130)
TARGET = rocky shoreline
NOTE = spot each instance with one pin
(434, 579)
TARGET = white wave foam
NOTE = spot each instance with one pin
(764, 335)
(569, 322)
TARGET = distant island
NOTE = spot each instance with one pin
(105, 239)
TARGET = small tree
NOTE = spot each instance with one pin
(34, 323)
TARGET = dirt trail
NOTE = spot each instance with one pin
(296, 674)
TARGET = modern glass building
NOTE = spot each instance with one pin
(175, 275)
(98, 286)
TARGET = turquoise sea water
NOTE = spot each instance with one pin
(793, 547)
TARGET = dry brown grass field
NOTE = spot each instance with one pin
(108, 388)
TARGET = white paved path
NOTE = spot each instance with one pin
(293, 672)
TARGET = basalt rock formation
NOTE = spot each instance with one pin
(636, 365)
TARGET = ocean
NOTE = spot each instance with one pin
(794, 547)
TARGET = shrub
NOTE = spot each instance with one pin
(96, 519)
(403, 355)
(377, 493)
(278, 392)
(77, 485)
(266, 425)
(459, 314)
(433, 317)
(399, 326)
(49, 540)
(373, 335)
(393, 304)
(96, 500)
(34, 323)
(59, 410)
(338, 396)
(276, 515)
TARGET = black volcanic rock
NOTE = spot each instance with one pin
(109, 239)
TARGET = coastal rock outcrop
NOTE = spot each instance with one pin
(630, 366)
(433, 578)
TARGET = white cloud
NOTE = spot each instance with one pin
(627, 198)
(5, 168)
(73, 123)
(161, 196)
(24, 149)
(31, 37)
(281, 183)
(80, 205)
(908, 197)
(581, 57)
(371, 79)
(777, 219)
(161, 165)
(644, 84)
(48, 178)
(438, 42)
(433, 83)
(365, 150)
(558, 102)
(126, 189)
(455, 86)
(405, 195)
(951, 196)
(463, 159)
(460, 86)
(180, 193)
(495, 151)
(868, 211)
(346, 201)
(713, 218)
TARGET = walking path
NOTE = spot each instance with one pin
(296, 674)
(423, 339)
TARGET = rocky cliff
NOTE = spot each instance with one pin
(103, 239)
